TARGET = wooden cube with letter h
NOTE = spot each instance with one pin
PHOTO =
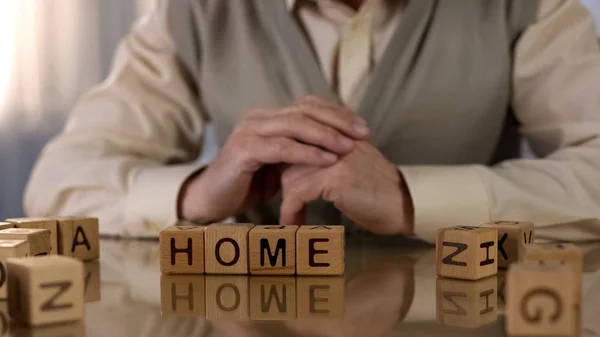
(182, 250)
(40, 223)
(540, 300)
(467, 304)
(513, 236)
(10, 249)
(45, 290)
(183, 295)
(320, 250)
(466, 252)
(273, 250)
(79, 238)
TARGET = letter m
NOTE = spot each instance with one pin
(264, 247)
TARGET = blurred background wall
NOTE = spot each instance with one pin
(51, 52)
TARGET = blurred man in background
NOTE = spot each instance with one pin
(393, 116)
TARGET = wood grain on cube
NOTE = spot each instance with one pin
(540, 300)
(91, 281)
(273, 250)
(38, 239)
(182, 250)
(466, 252)
(226, 248)
(10, 249)
(227, 297)
(320, 250)
(4, 318)
(71, 329)
(320, 297)
(6, 225)
(272, 298)
(40, 223)
(46, 290)
(467, 304)
(79, 238)
(182, 295)
(513, 236)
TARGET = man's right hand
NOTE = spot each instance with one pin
(310, 132)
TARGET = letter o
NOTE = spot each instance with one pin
(236, 255)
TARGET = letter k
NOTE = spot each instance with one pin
(501, 246)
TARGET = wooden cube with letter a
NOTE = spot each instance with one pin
(182, 250)
(466, 252)
(38, 239)
(79, 238)
(182, 295)
(513, 236)
(45, 290)
(40, 223)
(10, 249)
(273, 250)
(467, 304)
(226, 248)
(539, 299)
(320, 250)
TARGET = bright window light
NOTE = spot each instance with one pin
(8, 13)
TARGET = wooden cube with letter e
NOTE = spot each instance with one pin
(320, 250)
(10, 249)
(40, 223)
(226, 248)
(467, 304)
(272, 298)
(273, 250)
(540, 300)
(320, 297)
(182, 250)
(79, 238)
(467, 252)
(45, 290)
(38, 239)
(513, 236)
(183, 295)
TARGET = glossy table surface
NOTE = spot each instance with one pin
(389, 289)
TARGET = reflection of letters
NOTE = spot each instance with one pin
(313, 299)
(535, 316)
(4, 322)
(450, 297)
(187, 250)
(312, 252)
(266, 303)
(77, 242)
(487, 308)
(236, 303)
(280, 246)
(236, 255)
(189, 297)
(460, 247)
(501, 246)
(487, 246)
(62, 288)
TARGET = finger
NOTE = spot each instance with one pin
(295, 197)
(292, 211)
(276, 150)
(304, 129)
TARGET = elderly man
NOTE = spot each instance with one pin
(392, 116)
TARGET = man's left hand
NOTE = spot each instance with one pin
(363, 185)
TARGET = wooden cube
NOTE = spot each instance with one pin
(40, 223)
(38, 239)
(79, 238)
(45, 290)
(467, 304)
(6, 225)
(226, 249)
(273, 250)
(4, 318)
(540, 299)
(71, 329)
(91, 290)
(9, 249)
(227, 297)
(467, 252)
(182, 250)
(562, 252)
(320, 250)
(513, 236)
(182, 295)
(272, 298)
(320, 297)
(501, 276)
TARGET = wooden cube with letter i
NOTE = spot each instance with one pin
(182, 250)
(273, 250)
(79, 238)
(45, 290)
(320, 250)
(466, 252)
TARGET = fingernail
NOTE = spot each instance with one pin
(361, 129)
(330, 157)
(360, 120)
(346, 142)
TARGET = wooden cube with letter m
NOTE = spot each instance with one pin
(45, 290)
(466, 252)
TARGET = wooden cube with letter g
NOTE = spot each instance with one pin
(45, 290)
(466, 252)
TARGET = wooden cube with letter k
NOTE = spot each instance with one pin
(466, 252)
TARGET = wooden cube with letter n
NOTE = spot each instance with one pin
(513, 236)
(320, 250)
(539, 299)
(45, 290)
(79, 238)
(273, 250)
(226, 248)
(182, 250)
(10, 249)
(40, 223)
(467, 304)
(466, 252)
(38, 239)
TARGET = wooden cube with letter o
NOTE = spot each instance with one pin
(45, 290)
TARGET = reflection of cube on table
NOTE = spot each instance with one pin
(38, 239)
(467, 304)
(10, 249)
